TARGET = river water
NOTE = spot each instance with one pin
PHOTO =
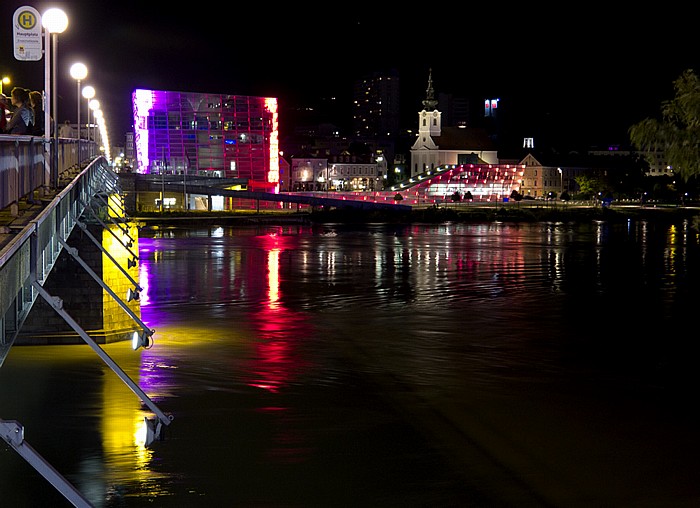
(495, 364)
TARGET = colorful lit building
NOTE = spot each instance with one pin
(204, 134)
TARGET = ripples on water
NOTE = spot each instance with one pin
(281, 348)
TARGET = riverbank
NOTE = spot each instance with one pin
(468, 213)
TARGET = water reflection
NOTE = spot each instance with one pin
(341, 365)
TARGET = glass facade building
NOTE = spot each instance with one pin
(203, 134)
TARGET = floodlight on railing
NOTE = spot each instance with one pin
(141, 339)
(132, 294)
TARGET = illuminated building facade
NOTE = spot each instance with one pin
(203, 134)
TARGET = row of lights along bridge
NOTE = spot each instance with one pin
(55, 21)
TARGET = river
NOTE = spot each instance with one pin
(458, 364)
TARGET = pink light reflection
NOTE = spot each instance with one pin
(279, 330)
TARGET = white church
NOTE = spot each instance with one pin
(438, 146)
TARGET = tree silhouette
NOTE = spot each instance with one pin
(678, 132)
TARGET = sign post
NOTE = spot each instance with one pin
(26, 34)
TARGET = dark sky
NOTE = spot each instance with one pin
(586, 68)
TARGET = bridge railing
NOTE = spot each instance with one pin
(25, 164)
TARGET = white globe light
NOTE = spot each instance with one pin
(55, 21)
(88, 92)
(78, 71)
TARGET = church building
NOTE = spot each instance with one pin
(438, 146)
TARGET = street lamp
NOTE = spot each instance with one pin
(98, 119)
(4, 81)
(54, 22)
(78, 72)
(94, 105)
(88, 93)
(561, 182)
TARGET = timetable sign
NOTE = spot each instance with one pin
(26, 34)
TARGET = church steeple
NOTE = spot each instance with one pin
(430, 103)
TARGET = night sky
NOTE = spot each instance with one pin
(588, 72)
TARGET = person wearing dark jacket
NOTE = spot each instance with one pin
(37, 102)
(22, 121)
(4, 109)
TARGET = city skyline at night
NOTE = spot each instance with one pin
(596, 73)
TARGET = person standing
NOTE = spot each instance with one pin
(4, 110)
(65, 131)
(22, 120)
(37, 102)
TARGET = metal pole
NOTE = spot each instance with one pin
(13, 433)
(47, 107)
(162, 184)
(561, 182)
(57, 305)
(54, 50)
(79, 129)
(88, 130)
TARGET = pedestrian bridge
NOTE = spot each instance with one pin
(45, 190)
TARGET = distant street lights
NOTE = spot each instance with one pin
(88, 93)
(4, 81)
(54, 22)
(78, 72)
(97, 124)
(94, 105)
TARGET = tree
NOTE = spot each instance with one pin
(589, 185)
(678, 133)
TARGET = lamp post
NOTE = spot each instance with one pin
(97, 120)
(561, 182)
(78, 72)
(88, 93)
(4, 81)
(54, 22)
(94, 105)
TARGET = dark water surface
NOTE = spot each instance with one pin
(384, 365)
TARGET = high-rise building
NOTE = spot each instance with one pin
(455, 111)
(205, 134)
(376, 111)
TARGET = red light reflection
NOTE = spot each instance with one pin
(280, 330)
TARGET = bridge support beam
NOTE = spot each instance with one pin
(13, 433)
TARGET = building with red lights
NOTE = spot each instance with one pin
(204, 134)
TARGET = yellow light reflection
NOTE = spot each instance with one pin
(122, 423)
(116, 323)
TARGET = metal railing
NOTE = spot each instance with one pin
(32, 253)
(25, 165)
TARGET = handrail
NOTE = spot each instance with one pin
(25, 163)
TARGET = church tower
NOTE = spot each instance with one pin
(430, 118)
(424, 152)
